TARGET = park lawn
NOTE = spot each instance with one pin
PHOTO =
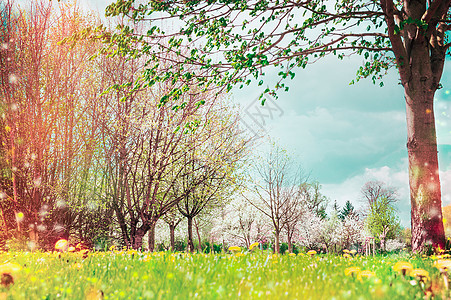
(160, 275)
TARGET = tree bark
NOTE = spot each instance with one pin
(190, 234)
(276, 246)
(172, 236)
(420, 56)
(425, 195)
(152, 237)
(199, 247)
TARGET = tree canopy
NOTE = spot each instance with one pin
(231, 42)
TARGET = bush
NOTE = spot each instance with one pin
(180, 245)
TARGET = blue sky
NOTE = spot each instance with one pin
(346, 134)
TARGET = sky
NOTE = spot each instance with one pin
(344, 135)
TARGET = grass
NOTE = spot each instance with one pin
(134, 275)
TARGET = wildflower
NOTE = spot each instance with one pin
(239, 254)
(77, 266)
(346, 255)
(71, 249)
(311, 252)
(346, 251)
(61, 245)
(420, 274)
(353, 251)
(133, 252)
(234, 248)
(291, 254)
(365, 274)
(112, 248)
(351, 271)
(9, 268)
(403, 267)
(252, 246)
(94, 294)
(443, 265)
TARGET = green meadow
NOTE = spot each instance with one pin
(250, 275)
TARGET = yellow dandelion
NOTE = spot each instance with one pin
(351, 271)
(239, 254)
(291, 254)
(365, 274)
(252, 246)
(311, 252)
(77, 266)
(353, 251)
(420, 274)
(133, 252)
(443, 265)
(403, 267)
(346, 255)
(234, 248)
(346, 251)
(94, 294)
(61, 245)
(112, 248)
(9, 268)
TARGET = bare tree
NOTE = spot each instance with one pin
(277, 190)
(374, 190)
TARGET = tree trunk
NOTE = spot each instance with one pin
(190, 234)
(138, 240)
(276, 246)
(199, 247)
(139, 235)
(425, 195)
(152, 237)
(172, 236)
(420, 56)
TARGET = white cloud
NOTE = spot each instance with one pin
(397, 177)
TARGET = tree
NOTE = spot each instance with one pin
(46, 106)
(308, 232)
(382, 221)
(232, 41)
(373, 190)
(352, 230)
(331, 232)
(211, 168)
(277, 189)
(173, 219)
(242, 224)
(315, 201)
(347, 210)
